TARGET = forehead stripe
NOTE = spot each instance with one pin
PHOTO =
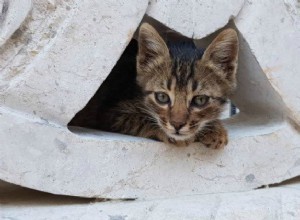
(174, 68)
(192, 66)
(194, 85)
(169, 83)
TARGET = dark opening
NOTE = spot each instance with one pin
(119, 85)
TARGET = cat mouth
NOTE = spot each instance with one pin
(178, 135)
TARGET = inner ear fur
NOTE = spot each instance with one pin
(222, 53)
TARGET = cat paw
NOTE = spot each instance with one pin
(214, 136)
(215, 140)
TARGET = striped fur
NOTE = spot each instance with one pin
(182, 72)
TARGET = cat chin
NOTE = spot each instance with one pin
(184, 137)
(181, 137)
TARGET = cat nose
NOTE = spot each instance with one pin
(177, 124)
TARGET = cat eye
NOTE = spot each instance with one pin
(162, 98)
(200, 100)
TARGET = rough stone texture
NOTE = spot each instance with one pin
(13, 13)
(54, 63)
(273, 38)
(194, 18)
(67, 55)
(97, 164)
(265, 204)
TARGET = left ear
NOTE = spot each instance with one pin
(222, 53)
(152, 48)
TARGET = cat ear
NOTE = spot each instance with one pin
(152, 48)
(223, 53)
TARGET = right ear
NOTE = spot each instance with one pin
(223, 54)
(152, 48)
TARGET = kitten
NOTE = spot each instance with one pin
(183, 91)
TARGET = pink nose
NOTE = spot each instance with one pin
(177, 124)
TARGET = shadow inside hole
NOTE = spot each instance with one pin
(119, 85)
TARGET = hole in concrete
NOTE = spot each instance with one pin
(256, 108)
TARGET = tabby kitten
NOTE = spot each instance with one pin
(183, 90)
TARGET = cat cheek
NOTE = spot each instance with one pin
(169, 126)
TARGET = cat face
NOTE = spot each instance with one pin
(184, 93)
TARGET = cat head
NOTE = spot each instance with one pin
(184, 91)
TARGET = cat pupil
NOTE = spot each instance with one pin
(200, 100)
(162, 98)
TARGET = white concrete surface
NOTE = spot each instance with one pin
(264, 204)
(194, 18)
(69, 52)
(273, 38)
(58, 58)
(96, 164)
(13, 13)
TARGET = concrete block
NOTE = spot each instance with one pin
(67, 56)
(41, 155)
(265, 204)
